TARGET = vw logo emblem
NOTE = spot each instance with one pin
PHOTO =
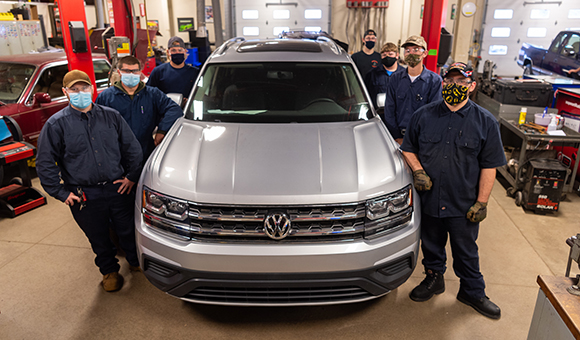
(277, 226)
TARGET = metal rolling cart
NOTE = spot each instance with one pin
(509, 129)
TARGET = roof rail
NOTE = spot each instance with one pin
(333, 46)
(222, 49)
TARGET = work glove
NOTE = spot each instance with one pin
(421, 180)
(477, 212)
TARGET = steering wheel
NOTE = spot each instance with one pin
(321, 100)
(14, 88)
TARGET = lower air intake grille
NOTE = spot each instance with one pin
(277, 295)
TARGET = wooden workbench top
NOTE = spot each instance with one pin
(566, 304)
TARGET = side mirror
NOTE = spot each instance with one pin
(381, 97)
(569, 51)
(42, 98)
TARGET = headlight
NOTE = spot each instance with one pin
(390, 204)
(389, 213)
(164, 206)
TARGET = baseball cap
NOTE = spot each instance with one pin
(176, 42)
(416, 40)
(75, 76)
(462, 68)
(370, 32)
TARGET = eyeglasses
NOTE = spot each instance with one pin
(463, 81)
(414, 50)
(77, 89)
(124, 70)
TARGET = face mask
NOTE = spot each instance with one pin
(81, 100)
(454, 94)
(412, 59)
(388, 61)
(178, 58)
(130, 80)
(370, 44)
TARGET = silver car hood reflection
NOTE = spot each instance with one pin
(273, 164)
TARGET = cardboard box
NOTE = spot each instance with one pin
(572, 123)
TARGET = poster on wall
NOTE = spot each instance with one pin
(184, 24)
(153, 24)
(208, 14)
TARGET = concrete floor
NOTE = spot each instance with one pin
(49, 289)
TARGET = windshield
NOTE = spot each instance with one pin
(279, 93)
(13, 81)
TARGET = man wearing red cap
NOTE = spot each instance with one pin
(453, 147)
(89, 159)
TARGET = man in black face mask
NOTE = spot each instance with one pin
(377, 79)
(411, 89)
(175, 76)
(367, 59)
(453, 147)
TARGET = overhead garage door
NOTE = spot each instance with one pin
(267, 19)
(509, 23)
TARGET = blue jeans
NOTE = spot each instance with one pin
(105, 209)
(463, 236)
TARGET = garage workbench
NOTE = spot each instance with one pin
(511, 133)
(557, 312)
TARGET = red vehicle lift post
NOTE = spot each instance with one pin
(74, 10)
(434, 16)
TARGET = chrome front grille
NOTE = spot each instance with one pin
(247, 223)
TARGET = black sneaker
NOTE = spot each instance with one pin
(484, 305)
(432, 284)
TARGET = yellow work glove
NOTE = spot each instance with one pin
(421, 180)
(477, 212)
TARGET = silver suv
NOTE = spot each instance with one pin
(280, 186)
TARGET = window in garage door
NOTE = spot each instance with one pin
(266, 20)
(535, 22)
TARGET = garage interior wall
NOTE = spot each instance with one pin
(403, 18)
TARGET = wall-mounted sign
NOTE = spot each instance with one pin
(468, 9)
(184, 24)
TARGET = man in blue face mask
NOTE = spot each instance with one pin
(175, 76)
(143, 107)
(367, 59)
(89, 159)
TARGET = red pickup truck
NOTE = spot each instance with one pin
(560, 58)
(31, 88)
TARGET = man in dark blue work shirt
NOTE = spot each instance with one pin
(367, 59)
(175, 76)
(378, 78)
(93, 151)
(143, 107)
(453, 147)
(411, 89)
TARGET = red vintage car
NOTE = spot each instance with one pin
(31, 88)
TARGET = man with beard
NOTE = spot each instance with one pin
(367, 59)
(453, 147)
(377, 79)
(175, 76)
(411, 89)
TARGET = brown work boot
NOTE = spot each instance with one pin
(134, 269)
(112, 282)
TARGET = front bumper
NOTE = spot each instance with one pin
(279, 289)
(278, 274)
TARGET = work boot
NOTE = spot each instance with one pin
(134, 269)
(484, 305)
(432, 284)
(112, 282)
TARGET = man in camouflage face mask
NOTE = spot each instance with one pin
(410, 89)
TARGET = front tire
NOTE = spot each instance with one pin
(528, 70)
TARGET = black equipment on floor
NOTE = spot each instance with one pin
(543, 181)
(523, 92)
(17, 195)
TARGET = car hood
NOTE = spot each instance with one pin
(272, 164)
